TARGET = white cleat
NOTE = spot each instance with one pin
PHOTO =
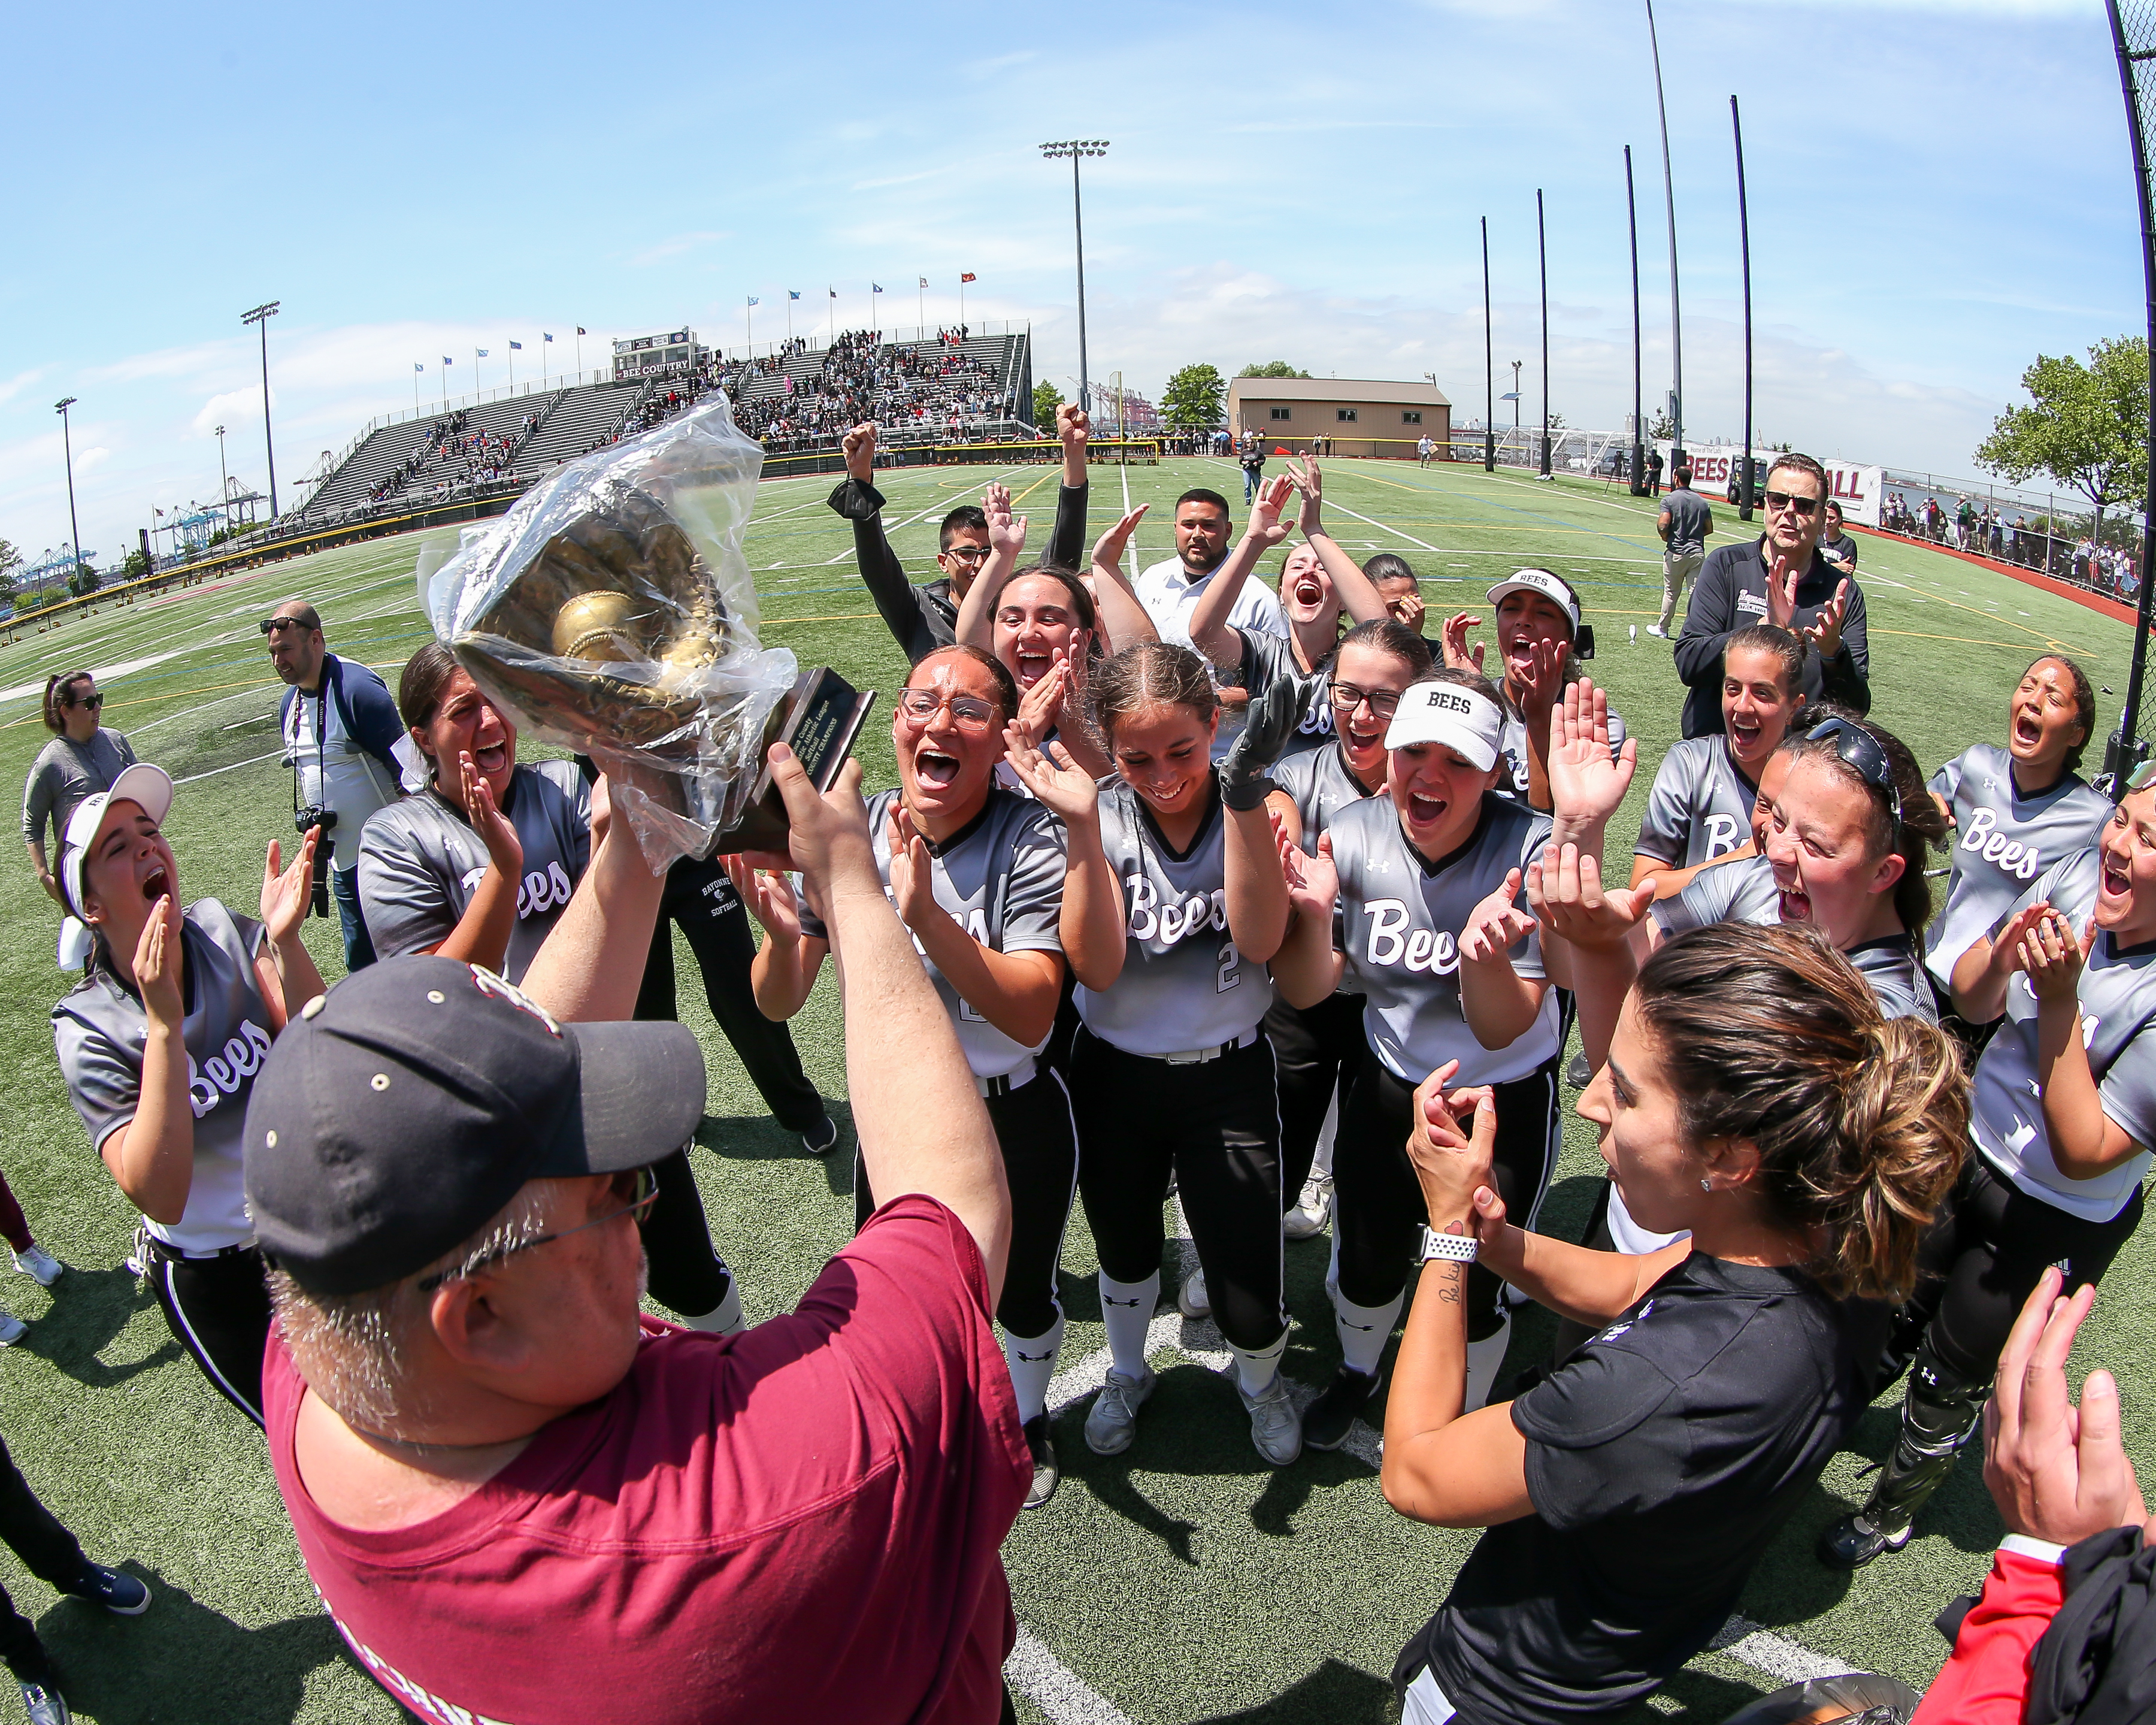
(36, 1262)
(1276, 1426)
(1313, 1211)
(1112, 1421)
(1191, 1299)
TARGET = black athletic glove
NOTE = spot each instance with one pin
(1271, 721)
(855, 500)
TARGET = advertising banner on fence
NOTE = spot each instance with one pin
(1715, 471)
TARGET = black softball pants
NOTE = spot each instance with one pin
(1378, 1209)
(1216, 1125)
(1318, 1050)
(684, 1273)
(47, 1551)
(699, 897)
(1039, 1144)
(218, 1310)
(1985, 1251)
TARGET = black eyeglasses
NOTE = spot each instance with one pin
(969, 712)
(92, 701)
(969, 553)
(1346, 697)
(1806, 506)
(643, 1193)
(274, 625)
(1857, 747)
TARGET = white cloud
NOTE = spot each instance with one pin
(677, 247)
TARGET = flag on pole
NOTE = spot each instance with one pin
(483, 353)
(582, 331)
(875, 287)
(753, 301)
(516, 347)
(545, 337)
(834, 293)
(447, 361)
(417, 367)
(968, 276)
(791, 295)
(924, 281)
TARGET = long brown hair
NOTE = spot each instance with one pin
(1148, 674)
(1860, 1120)
(59, 695)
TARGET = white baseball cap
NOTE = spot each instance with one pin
(1548, 585)
(1465, 720)
(150, 785)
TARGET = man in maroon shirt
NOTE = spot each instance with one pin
(523, 1501)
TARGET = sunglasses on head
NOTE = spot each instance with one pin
(1858, 748)
(1806, 506)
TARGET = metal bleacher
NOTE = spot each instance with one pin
(578, 419)
(374, 461)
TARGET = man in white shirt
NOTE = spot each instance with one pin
(1170, 589)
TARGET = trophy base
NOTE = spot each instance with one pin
(818, 719)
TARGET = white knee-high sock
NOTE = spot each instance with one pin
(724, 1318)
(1032, 1362)
(1321, 1162)
(1256, 1372)
(1364, 1330)
(1483, 1359)
(1127, 1309)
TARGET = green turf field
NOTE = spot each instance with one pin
(1183, 1581)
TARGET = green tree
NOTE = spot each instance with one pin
(2087, 428)
(10, 560)
(1660, 428)
(1192, 402)
(1046, 399)
(1271, 368)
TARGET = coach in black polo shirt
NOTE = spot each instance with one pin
(1744, 584)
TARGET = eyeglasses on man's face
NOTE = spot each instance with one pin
(1783, 502)
(967, 554)
(639, 1190)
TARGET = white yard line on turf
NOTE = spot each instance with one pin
(1054, 1688)
(104, 674)
(254, 761)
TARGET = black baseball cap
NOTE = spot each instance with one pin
(402, 1110)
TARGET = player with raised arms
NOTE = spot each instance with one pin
(979, 875)
(2015, 811)
(1171, 1074)
(2063, 1112)
(1413, 900)
(1756, 1101)
(159, 1044)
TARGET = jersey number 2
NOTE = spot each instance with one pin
(1231, 963)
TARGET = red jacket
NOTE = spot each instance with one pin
(1986, 1681)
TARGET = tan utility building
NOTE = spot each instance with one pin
(1362, 417)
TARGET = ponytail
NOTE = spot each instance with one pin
(1860, 1121)
(59, 695)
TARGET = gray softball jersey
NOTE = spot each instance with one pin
(1185, 985)
(1700, 806)
(1267, 658)
(1001, 879)
(420, 862)
(99, 1029)
(2002, 841)
(1319, 784)
(2117, 994)
(1398, 925)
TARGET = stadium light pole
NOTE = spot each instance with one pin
(224, 482)
(1669, 204)
(1488, 367)
(260, 317)
(1637, 471)
(1075, 148)
(67, 447)
(1744, 247)
(2135, 53)
(1542, 255)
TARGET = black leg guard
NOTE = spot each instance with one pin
(1938, 1413)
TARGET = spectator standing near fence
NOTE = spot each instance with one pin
(1780, 579)
(1654, 473)
(82, 759)
(1684, 527)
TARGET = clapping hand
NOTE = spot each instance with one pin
(1566, 893)
(286, 891)
(1302, 473)
(1587, 783)
(505, 850)
(1313, 883)
(157, 959)
(1454, 640)
(1782, 578)
(1496, 925)
(2051, 955)
(1542, 683)
(1062, 787)
(769, 897)
(912, 878)
(1006, 532)
(2056, 1472)
(1824, 632)
(1108, 548)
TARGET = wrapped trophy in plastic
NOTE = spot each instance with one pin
(611, 612)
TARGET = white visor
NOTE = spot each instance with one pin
(1542, 582)
(150, 785)
(1466, 722)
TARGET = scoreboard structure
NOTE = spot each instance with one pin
(642, 355)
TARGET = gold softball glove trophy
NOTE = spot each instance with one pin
(611, 612)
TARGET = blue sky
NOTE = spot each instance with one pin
(1938, 192)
